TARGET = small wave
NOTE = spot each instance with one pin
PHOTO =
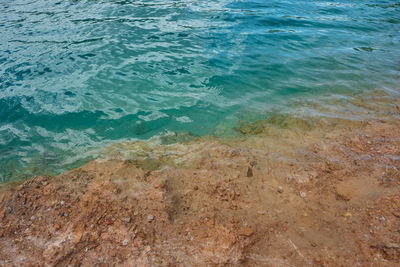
(77, 75)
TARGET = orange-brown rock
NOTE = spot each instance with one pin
(195, 204)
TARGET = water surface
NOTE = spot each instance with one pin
(78, 75)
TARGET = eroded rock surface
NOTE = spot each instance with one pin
(326, 195)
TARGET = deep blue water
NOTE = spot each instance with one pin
(78, 75)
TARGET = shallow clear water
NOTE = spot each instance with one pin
(78, 75)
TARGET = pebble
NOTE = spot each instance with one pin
(159, 184)
(303, 194)
(33, 218)
(280, 189)
(125, 242)
(62, 202)
(127, 219)
(150, 217)
(246, 231)
(393, 245)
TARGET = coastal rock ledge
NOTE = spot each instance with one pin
(312, 199)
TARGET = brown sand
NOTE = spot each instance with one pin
(286, 192)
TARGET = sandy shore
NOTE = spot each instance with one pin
(286, 192)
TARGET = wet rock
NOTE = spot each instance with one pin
(209, 226)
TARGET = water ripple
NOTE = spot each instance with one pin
(77, 75)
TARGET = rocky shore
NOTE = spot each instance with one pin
(296, 193)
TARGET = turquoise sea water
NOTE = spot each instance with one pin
(78, 75)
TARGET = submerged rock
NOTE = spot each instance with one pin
(206, 215)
